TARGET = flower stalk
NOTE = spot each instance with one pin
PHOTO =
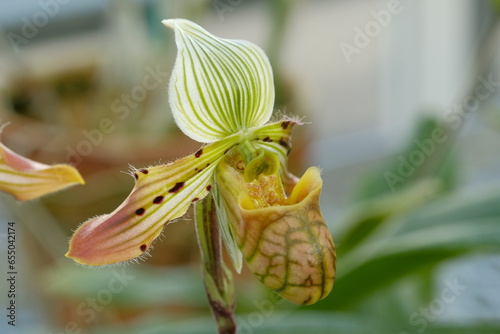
(218, 278)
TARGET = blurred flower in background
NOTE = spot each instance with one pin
(403, 100)
(27, 179)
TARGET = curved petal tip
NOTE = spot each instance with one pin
(26, 179)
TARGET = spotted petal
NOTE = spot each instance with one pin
(26, 179)
(218, 86)
(161, 193)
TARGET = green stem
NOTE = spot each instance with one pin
(247, 151)
(218, 278)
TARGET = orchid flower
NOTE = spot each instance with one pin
(221, 94)
(26, 179)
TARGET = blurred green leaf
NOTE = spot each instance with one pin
(142, 285)
(496, 4)
(372, 214)
(290, 323)
(432, 140)
(439, 231)
(296, 323)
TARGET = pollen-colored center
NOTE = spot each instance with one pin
(266, 191)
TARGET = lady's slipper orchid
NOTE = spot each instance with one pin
(285, 241)
(26, 179)
(222, 94)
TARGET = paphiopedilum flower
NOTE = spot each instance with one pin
(26, 179)
(284, 240)
(222, 94)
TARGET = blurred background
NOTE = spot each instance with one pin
(402, 105)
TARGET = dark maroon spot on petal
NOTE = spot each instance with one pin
(140, 211)
(158, 200)
(256, 138)
(143, 248)
(283, 143)
(195, 199)
(177, 187)
(209, 187)
(267, 140)
(144, 171)
(136, 176)
(285, 125)
(208, 164)
(198, 153)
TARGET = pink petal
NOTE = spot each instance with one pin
(161, 194)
